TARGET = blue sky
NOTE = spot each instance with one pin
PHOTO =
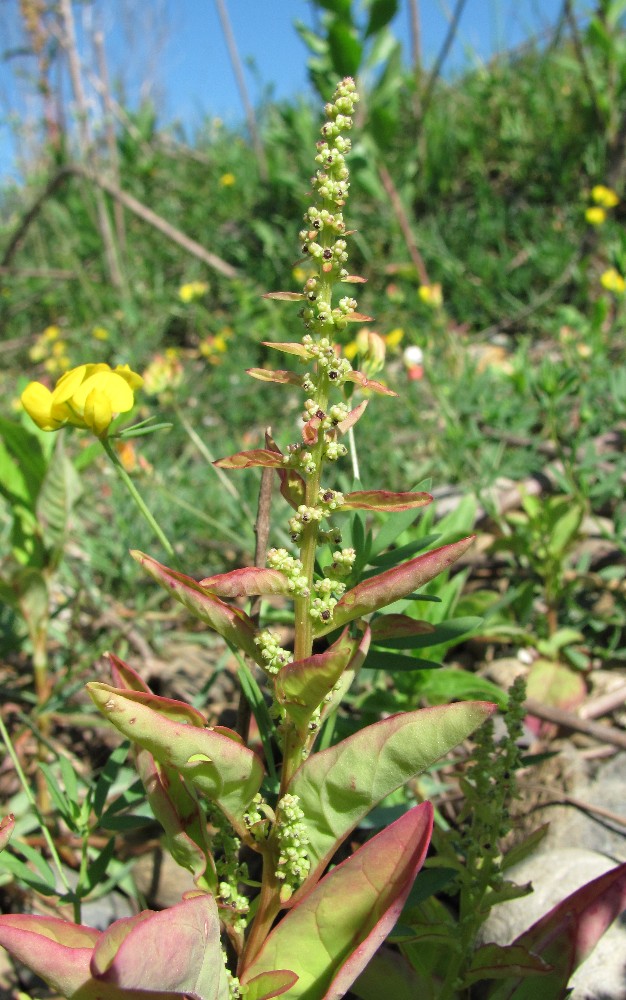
(174, 51)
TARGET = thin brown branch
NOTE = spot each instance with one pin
(568, 720)
(403, 222)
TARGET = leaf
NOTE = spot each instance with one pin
(287, 348)
(7, 825)
(447, 632)
(381, 13)
(553, 683)
(448, 683)
(384, 500)
(566, 935)
(331, 934)
(384, 659)
(283, 377)
(59, 492)
(285, 296)
(370, 384)
(302, 685)
(398, 626)
(246, 582)
(495, 961)
(248, 459)
(389, 974)
(54, 949)
(270, 984)
(354, 415)
(232, 624)
(337, 787)
(344, 47)
(393, 584)
(222, 769)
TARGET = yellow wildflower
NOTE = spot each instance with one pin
(595, 215)
(51, 333)
(192, 290)
(88, 396)
(604, 196)
(227, 180)
(100, 333)
(431, 295)
(165, 372)
(584, 350)
(299, 275)
(613, 281)
(393, 338)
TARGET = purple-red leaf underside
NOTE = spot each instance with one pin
(384, 500)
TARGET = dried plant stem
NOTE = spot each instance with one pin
(403, 222)
(114, 161)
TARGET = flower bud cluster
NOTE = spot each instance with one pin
(273, 655)
(303, 517)
(293, 861)
(230, 871)
(292, 568)
(343, 561)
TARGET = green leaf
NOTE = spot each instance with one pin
(337, 787)
(448, 683)
(221, 768)
(381, 13)
(388, 974)
(382, 659)
(449, 631)
(107, 777)
(59, 492)
(494, 961)
(328, 937)
(25, 447)
(345, 48)
(270, 984)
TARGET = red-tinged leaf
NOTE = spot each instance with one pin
(175, 951)
(287, 348)
(384, 500)
(302, 685)
(247, 582)
(353, 279)
(355, 317)
(330, 935)
(292, 486)
(125, 677)
(369, 383)
(494, 961)
(283, 377)
(398, 626)
(178, 812)
(339, 786)
(285, 296)
(6, 829)
(55, 950)
(310, 431)
(250, 459)
(232, 624)
(566, 935)
(220, 768)
(344, 425)
(392, 585)
(359, 647)
(270, 984)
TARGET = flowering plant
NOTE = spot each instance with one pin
(311, 929)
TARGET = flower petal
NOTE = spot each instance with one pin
(37, 401)
(98, 413)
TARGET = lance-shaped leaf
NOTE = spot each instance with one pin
(353, 279)
(360, 648)
(6, 829)
(369, 384)
(354, 415)
(398, 627)
(566, 935)
(494, 961)
(246, 582)
(170, 955)
(331, 934)
(285, 296)
(270, 984)
(292, 486)
(356, 317)
(384, 500)
(171, 798)
(221, 768)
(302, 685)
(385, 588)
(282, 377)
(337, 787)
(232, 624)
(249, 459)
(289, 348)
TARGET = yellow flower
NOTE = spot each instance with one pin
(431, 295)
(192, 290)
(394, 337)
(613, 281)
(165, 372)
(88, 396)
(51, 333)
(595, 215)
(604, 196)
(100, 333)
(227, 180)
(299, 275)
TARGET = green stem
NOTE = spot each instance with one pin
(132, 489)
(269, 906)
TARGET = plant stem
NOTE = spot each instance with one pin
(132, 489)
(269, 906)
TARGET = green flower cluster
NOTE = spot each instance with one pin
(293, 861)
